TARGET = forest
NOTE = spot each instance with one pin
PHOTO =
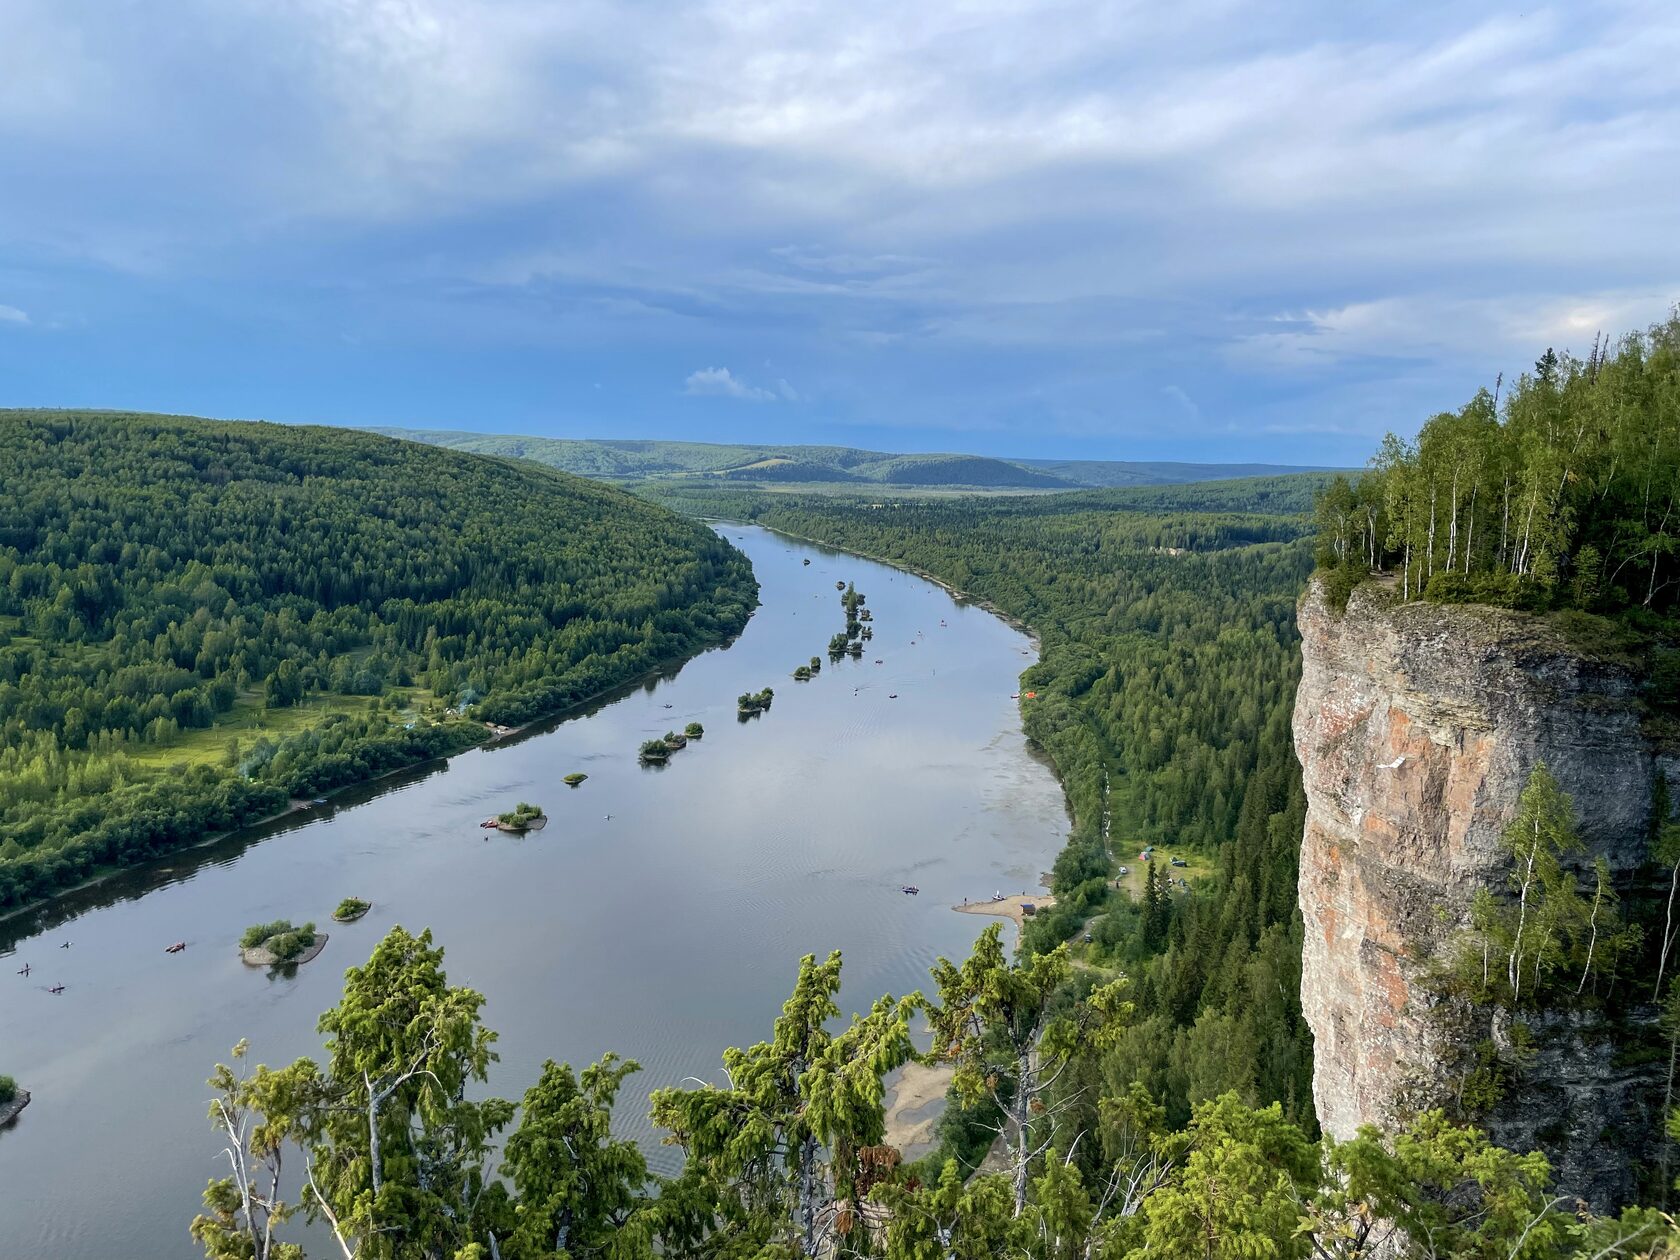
(390, 1148)
(1562, 492)
(1164, 689)
(200, 621)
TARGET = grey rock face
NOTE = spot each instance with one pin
(1416, 727)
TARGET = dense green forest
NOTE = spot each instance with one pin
(1168, 672)
(200, 620)
(1565, 492)
(389, 1147)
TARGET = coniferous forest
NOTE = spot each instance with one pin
(201, 620)
(1163, 696)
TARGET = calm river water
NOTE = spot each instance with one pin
(661, 914)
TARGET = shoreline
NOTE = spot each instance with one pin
(493, 736)
(902, 566)
(257, 956)
(915, 1098)
(1010, 907)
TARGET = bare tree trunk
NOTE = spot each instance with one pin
(808, 1195)
(1452, 529)
(1021, 1105)
(1505, 527)
(1470, 533)
(1514, 965)
(1668, 934)
(1429, 560)
(1592, 942)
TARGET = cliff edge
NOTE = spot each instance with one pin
(1417, 726)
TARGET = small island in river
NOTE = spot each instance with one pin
(574, 778)
(12, 1100)
(749, 703)
(523, 817)
(270, 944)
(351, 909)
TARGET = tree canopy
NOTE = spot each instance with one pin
(336, 602)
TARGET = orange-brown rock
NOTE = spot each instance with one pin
(1417, 726)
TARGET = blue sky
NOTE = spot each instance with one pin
(1198, 229)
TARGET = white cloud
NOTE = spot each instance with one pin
(719, 382)
(11, 315)
(1439, 326)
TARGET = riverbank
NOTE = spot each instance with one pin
(492, 735)
(708, 880)
(915, 1099)
(1013, 908)
(957, 593)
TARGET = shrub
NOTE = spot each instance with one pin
(8, 1090)
(280, 938)
(257, 933)
(289, 945)
(351, 908)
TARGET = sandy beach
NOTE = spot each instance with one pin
(914, 1102)
(1008, 907)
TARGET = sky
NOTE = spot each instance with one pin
(1192, 229)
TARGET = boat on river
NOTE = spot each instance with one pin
(909, 889)
(176, 948)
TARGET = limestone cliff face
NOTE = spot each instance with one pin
(1417, 727)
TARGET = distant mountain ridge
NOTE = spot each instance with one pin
(640, 460)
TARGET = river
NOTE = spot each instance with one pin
(660, 914)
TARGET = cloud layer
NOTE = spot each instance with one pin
(1043, 224)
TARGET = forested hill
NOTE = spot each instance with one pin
(199, 619)
(772, 465)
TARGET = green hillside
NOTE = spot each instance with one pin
(1112, 472)
(200, 619)
(617, 460)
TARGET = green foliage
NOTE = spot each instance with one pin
(521, 816)
(786, 1160)
(1010, 1039)
(579, 1190)
(694, 730)
(279, 938)
(1564, 496)
(757, 1144)
(351, 908)
(1165, 687)
(170, 575)
(574, 778)
(1549, 940)
(8, 1089)
(750, 702)
(257, 933)
(654, 750)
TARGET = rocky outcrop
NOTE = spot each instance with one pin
(1417, 726)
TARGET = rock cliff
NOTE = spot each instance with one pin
(1417, 726)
